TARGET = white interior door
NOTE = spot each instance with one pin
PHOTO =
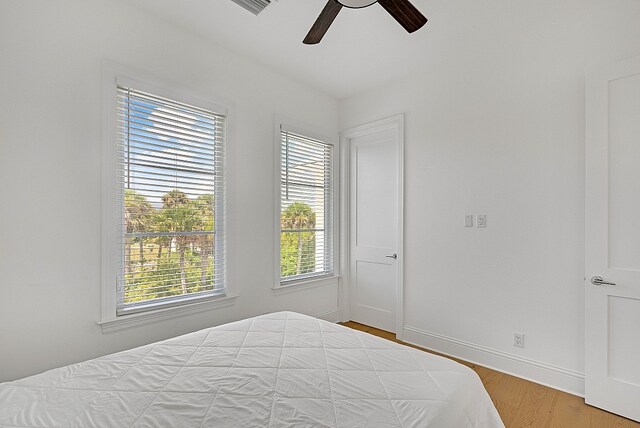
(375, 154)
(612, 355)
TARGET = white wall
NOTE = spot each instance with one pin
(50, 147)
(496, 127)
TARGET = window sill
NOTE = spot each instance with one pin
(305, 285)
(142, 318)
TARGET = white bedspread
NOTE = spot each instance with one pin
(279, 370)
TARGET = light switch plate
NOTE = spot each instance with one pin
(482, 220)
(468, 220)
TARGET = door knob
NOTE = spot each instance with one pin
(597, 280)
(392, 256)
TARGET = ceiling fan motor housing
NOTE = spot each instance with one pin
(356, 4)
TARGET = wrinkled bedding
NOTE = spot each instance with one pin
(279, 370)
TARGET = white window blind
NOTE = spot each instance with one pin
(172, 202)
(306, 207)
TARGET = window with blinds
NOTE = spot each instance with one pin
(306, 207)
(172, 202)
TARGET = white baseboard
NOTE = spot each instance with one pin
(332, 316)
(535, 371)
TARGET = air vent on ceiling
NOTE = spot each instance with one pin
(253, 6)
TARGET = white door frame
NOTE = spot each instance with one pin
(395, 123)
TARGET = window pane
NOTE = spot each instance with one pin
(306, 210)
(154, 266)
(171, 176)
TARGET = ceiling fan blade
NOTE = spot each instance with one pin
(405, 13)
(323, 23)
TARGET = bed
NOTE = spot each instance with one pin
(280, 370)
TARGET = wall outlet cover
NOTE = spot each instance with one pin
(518, 340)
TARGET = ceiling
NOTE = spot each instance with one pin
(364, 48)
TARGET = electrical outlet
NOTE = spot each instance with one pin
(482, 220)
(518, 340)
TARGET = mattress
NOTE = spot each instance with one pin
(277, 370)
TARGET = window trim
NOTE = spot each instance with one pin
(114, 75)
(326, 137)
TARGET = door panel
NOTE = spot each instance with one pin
(372, 281)
(374, 227)
(375, 186)
(624, 319)
(624, 173)
(612, 311)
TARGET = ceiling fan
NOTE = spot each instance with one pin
(401, 10)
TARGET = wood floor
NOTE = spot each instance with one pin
(526, 404)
